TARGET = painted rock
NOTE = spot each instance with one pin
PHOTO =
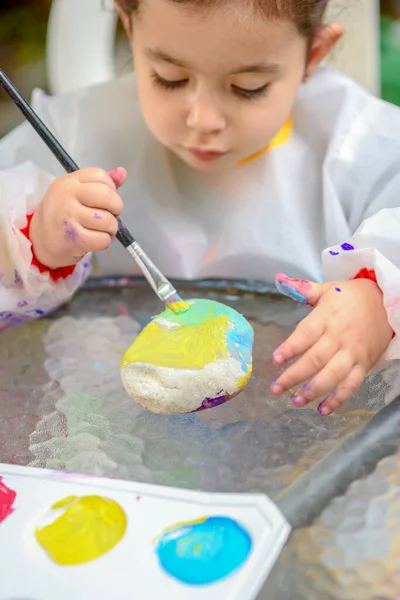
(191, 360)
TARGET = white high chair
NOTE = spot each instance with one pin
(81, 36)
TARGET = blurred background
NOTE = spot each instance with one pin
(84, 35)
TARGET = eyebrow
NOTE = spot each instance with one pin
(160, 55)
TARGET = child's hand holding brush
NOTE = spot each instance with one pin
(77, 215)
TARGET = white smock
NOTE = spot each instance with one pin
(335, 180)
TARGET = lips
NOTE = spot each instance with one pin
(206, 155)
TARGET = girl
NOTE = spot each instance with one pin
(244, 156)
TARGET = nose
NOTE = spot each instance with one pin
(205, 116)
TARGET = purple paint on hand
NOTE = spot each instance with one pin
(338, 289)
(347, 247)
(97, 216)
(322, 409)
(333, 253)
(70, 231)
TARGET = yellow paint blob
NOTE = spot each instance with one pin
(188, 347)
(89, 527)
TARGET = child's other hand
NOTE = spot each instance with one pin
(336, 345)
(76, 216)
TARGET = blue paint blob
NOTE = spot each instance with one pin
(333, 253)
(347, 247)
(288, 290)
(338, 289)
(204, 551)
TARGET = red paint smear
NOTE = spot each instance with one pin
(7, 498)
(298, 283)
(122, 309)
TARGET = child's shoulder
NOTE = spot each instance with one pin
(333, 109)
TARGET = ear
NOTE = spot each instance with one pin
(126, 18)
(324, 41)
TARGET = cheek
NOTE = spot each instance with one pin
(160, 112)
(279, 106)
(262, 119)
(261, 122)
(153, 108)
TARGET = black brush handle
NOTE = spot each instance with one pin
(123, 235)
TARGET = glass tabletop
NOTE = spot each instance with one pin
(63, 406)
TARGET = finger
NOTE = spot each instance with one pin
(95, 175)
(97, 195)
(300, 290)
(308, 365)
(327, 379)
(98, 220)
(306, 334)
(92, 241)
(343, 392)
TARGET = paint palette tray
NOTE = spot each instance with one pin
(203, 536)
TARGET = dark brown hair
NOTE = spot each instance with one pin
(307, 15)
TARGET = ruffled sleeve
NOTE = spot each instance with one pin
(27, 290)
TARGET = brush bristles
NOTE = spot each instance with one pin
(179, 307)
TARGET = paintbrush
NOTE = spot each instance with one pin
(160, 284)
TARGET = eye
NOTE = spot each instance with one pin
(250, 94)
(166, 84)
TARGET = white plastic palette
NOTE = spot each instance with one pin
(131, 570)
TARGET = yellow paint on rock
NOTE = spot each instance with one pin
(185, 347)
(245, 379)
(89, 527)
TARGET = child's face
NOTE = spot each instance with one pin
(215, 88)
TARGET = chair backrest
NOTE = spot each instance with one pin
(80, 44)
(81, 40)
(358, 55)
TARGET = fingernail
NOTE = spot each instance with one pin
(277, 389)
(298, 401)
(323, 410)
(118, 176)
(290, 292)
(279, 359)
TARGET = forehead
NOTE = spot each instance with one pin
(222, 37)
